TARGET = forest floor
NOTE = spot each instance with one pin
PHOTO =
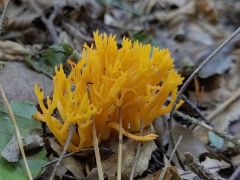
(37, 35)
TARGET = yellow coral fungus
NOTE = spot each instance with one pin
(138, 79)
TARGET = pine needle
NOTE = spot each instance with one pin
(18, 134)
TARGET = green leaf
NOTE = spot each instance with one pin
(144, 38)
(23, 113)
(51, 57)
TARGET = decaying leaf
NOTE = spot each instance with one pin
(17, 81)
(74, 166)
(33, 141)
(23, 113)
(170, 174)
(129, 153)
(10, 50)
(189, 142)
(11, 151)
(215, 165)
(60, 172)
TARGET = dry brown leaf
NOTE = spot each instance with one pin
(228, 84)
(18, 81)
(206, 9)
(10, 50)
(74, 166)
(189, 142)
(170, 174)
(129, 153)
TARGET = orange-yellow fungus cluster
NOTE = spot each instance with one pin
(137, 82)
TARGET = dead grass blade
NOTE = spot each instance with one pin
(19, 137)
(170, 159)
(97, 153)
(119, 170)
(95, 142)
(137, 153)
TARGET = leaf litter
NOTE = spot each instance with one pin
(191, 30)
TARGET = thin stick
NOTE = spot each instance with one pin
(170, 159)
(48, 22)
(203, 124)
(186, 83)
(3, 19)
(236, 174)
(198, 169)
(194, 107)
(19, 137)
(95, 142)
(71, 154)
(68, 141)
(120, 143)
(175, 148)
(137, 154)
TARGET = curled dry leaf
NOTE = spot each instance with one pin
(10, 50)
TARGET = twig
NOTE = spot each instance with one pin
(198, 169)
(203, 124)
(172, 142)
(95, 141)
(71, 154)
(170, 159)
(71, 29)
(3, 19)
(68, 141)
(48, 22)
(19, 137)
(194, 107)
(137, 153)
(175, 148)
(236, 174)
(186, 83)
(119, 169)
(214, 168)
